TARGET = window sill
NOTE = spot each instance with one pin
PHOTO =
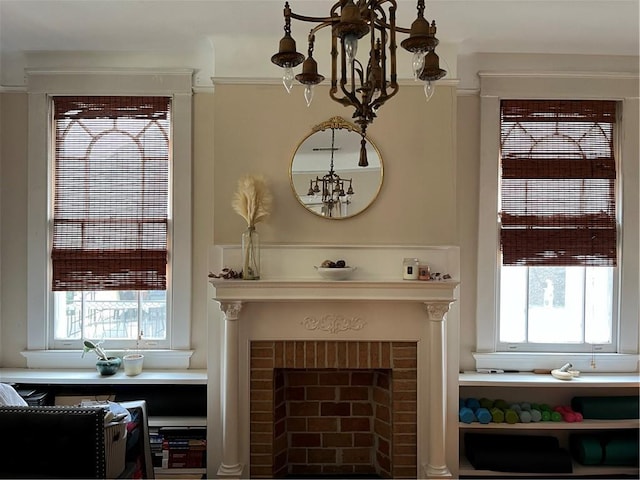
(527, 362)
(63, 359)
(91, 376)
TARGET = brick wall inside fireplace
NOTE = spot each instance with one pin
(333, 407)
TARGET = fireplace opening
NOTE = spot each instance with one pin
(333, 408)
(335, 422)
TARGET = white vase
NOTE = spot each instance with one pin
(133, 364)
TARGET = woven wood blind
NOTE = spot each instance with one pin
(558, 183)
(111, 190)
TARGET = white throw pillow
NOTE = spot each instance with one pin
(9, 396)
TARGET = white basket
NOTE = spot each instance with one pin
(115, 445)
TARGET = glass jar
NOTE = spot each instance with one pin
(410, 268)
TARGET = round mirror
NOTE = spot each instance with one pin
(328, 173)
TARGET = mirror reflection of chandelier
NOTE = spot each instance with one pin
(335, 199)
(366, 85)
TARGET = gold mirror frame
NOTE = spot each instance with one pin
(312, 160)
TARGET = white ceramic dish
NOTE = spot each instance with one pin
(335, 273)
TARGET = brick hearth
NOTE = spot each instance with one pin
(333, 407)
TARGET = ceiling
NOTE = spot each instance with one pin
(236, 29)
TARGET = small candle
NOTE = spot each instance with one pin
(424, 273)
(410, 269)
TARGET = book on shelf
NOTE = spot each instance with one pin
(181, 452)
(183, 432)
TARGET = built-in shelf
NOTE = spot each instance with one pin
(92, 377)
(584, 425)
(171, 421)
(466, 469)
(546, 388)
(180, 473)
(528, 379)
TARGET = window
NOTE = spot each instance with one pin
(139, 306)
(557, 225)
(556, 315)
(110, 217)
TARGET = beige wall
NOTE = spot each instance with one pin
(259, 127)
(255, 129)
(468, 131)
(13, 228)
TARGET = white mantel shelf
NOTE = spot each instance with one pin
(348, 290)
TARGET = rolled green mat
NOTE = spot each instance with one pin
(621, 451)
(501, 404)
(497, 415)
(607, 408)
(546, 416)
(586, 449)
(511, 416)
(486, 403)
(556, 417)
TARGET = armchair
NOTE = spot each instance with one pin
(68, 442)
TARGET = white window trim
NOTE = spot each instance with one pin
(493, 87)
(41, 85)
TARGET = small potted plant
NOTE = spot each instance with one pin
(105, 364)
(133, 361)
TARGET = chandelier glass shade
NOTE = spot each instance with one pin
(366, 85)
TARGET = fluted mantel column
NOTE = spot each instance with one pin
(230, 466)
(436, 466)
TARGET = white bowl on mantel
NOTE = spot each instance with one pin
(336, 273)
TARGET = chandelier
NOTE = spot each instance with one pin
(363, 86)
(334, 195)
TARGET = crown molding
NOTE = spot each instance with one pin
(563, 74)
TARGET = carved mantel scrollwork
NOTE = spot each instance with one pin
(333, 323)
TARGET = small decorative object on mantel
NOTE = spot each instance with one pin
(338, 270)
(105, 364)
(226, 273)
(252, 201)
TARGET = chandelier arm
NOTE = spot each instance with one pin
(392, 48)
(349, 95)
(320, 27)
(334, 66)
(378, 102)
(305, 18)
(381, 22)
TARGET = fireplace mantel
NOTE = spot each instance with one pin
(309, 290)
(393, 309)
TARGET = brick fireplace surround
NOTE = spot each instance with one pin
(335, 378)
(329, 407)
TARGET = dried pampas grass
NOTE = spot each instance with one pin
(252, 200)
